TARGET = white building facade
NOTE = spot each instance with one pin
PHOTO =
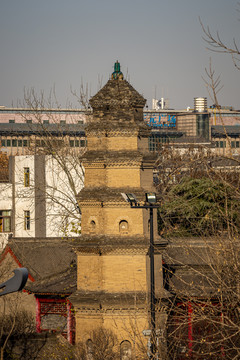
(40, 198)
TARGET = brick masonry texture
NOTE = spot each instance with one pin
(109, 281)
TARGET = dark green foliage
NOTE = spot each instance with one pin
(200, 206)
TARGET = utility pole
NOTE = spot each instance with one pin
(149, 204)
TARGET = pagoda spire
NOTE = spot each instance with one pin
(117, 74)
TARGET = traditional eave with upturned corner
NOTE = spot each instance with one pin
(51, 263)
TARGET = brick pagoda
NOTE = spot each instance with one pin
(112, 254)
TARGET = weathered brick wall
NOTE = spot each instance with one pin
(118, 177)
(107, 220)
(121, 322)
(122, 143)
(112, 273)
(95, 176)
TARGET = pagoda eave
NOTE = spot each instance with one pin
(106, 194)
(101, 300)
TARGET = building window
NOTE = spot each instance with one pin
(43, 143)
(26, 220)
(11, 121)
(237, 144)
(82, 143)
(90, 349)
(3, 142)
(92, 226)
(155, 142)
(222, 144)
(8, 143)
(29, 121)
(5, 221)
(123, 227)
(62, 122)
(125, 350)
(14, 142)
(25, 143)
(45, 121)
(26, 177)
(19, 143)
(76, 143)
(151, 144)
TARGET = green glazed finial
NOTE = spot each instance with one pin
(117, 66)
(117, 74)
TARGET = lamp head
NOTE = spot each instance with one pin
(151, 198)
(131, 198)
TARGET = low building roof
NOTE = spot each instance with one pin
(41, 129)
(221, 131)
(51, 263)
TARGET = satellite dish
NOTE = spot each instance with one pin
(161, 103)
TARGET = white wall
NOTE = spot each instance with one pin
(61, 214)
(5, 204)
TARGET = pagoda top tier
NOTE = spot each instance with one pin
(117, 93)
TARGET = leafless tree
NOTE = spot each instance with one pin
(199, 218)
(56, 139)
(15, 321)
(215, 43)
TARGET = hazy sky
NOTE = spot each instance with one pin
(159, 44)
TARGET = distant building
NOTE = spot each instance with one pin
(25, 139)
(226, 139)
(38, 200)
(224, 117)
(42, 116)
(23, 131)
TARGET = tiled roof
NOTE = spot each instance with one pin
(51, 262)
(219, 130)
(41, 129)
(119, 92)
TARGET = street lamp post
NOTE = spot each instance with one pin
(149, 204)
